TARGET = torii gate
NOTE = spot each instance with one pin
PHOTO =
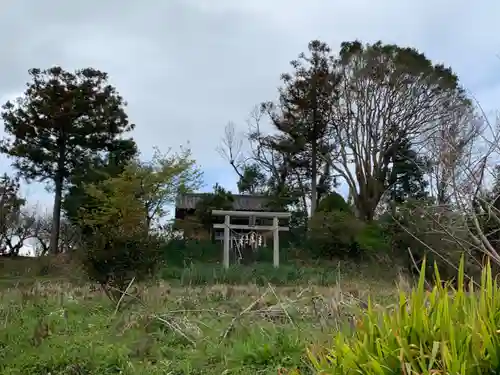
(275, 228)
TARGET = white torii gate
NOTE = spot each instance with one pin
(275, 228)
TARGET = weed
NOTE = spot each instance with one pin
(62, 328)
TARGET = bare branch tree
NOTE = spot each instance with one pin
(467, 209)
(42, 230)
(231, 148)
(388, 95)
(451, 148)
(15, 235)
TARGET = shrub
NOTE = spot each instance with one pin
(445, 331)
(333, 234)
(432, 232)
(118, 244)
(333, 202)
(372, 239)
(113, 261)
(341, 234)
(181, 252)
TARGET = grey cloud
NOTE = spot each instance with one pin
(186, 67)
(184, 74)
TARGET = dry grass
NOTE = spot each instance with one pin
(59, 328)
(200, 322)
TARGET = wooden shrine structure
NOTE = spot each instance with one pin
(275, 228)
(248, 216)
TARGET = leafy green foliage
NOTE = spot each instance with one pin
(220, 199)
(159, 181)
(113, 258)
(10, 199)
(98, 169)
(334, 231)
(252, 180)
(333, 234)
(59, 124)
(121, 241)
(302, 115)
(407, 176)
(446, 331)
(118, 243)
(334, 202)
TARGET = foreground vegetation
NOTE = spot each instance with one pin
(61, 329)
(355, 326)
(180, 325)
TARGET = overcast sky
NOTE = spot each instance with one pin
(187, 67)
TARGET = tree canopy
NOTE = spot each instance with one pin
(360, 117)
(59, 124)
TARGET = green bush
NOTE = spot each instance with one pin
(181, 253)
(442, 237)
(333, 202)
(341, 234)
(372, 239)
(118, 244)
(113, 261)
(445, 331)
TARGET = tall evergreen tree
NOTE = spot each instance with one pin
(60, 123)
(97, 169)
(304, 112)
(407, 176)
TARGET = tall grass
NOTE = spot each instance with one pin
(443, 331)
(264, 273)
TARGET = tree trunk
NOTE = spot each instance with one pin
(314, 155)
(365, 205)
(368, 198)
(56, 215)
(364, 209)
(58, 184)
(314, 174)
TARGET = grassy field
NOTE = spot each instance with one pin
(194, 322)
